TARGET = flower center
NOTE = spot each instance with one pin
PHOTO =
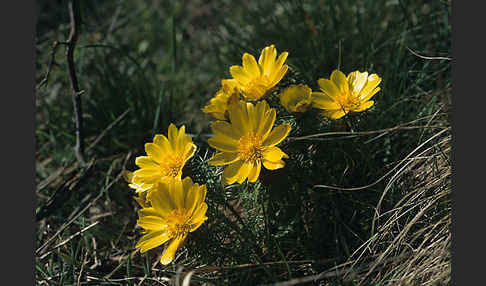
(171, 166)
(250, 148)
(348, 102)
(178, 223)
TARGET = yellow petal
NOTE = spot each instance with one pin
(223, 144)
(147, 162)
(243, 172)
(169, 253)
(364, 106)
(154, 152)
(148, 211)
(267, 59)
(172, 136)
(373, 81)
(370, 94)
(277, 135)
(225, 129)
(270, 165)
(148, 176)
(230, 173)
(189, 151)
(266, 117)
(147, 172)
(250, 65)
(323, 101)
(274, 154)
(333, 114)
(240, 75)
(329, 88)
(163, 143)
(223, 158)
(152, 240)
(199, 216)
(239, 117)
(161, 199)
(195, 197)
(357, 81)
(198, 224)
(255, 172)
(281, 59)
(177, 193)
(340, 81)
(155, 223)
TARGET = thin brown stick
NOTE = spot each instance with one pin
(75, 20)
(45, 80)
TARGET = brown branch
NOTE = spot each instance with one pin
(52, 61)
(75, 16)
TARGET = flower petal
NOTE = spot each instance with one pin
(147, 163)
(364, 106)
(154, 152)
(223, 144)
(225, 129)
(329, 88)
(357, 81)
(278, 75)
(373, 81)
(270, 165)
(161, 200)
(155, 223)
(152, 240)
(277, 135)
(223, 158)
(323, 101)
(240, 75)
(340, 81)
(370, 94)
(199, 216)
(169, 253)
(230, 173)
(274, 154)
(255, 172)
(267, 59)
(163, 143)
(250, 65)
(333, 114)
(173, 136)
(266, 124)
(243, 172)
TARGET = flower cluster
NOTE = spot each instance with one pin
(245, 138)
(171, 207)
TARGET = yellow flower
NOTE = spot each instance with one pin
(166, 157)
(253, 79)
(177, 208)
(248, 141)
(227, 95)
(141, 189)
(342, 95)
(296, 98)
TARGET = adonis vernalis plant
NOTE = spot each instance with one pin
(296, 98)
(176, 208)
(247, 142)
(255, 79)
(227, 95)
(342, 95)
(166, 157)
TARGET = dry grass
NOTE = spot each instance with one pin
(412, 238)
